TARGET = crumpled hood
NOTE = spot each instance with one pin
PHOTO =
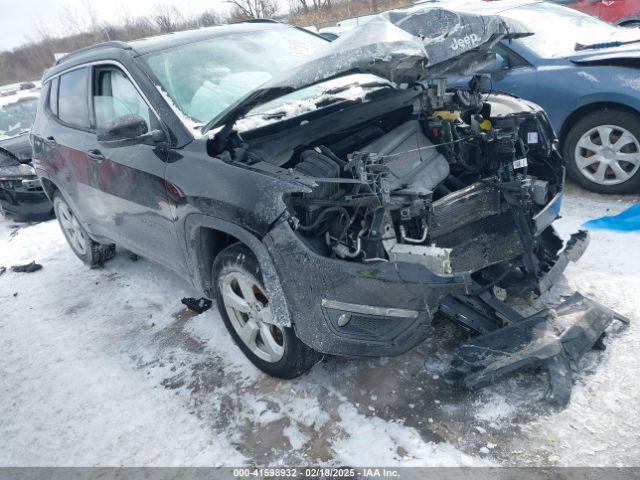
(422, 41)
(16, 148)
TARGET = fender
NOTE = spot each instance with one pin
(195, 221)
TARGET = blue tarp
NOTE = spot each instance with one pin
(627, 221)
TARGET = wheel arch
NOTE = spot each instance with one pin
(628, 20)
(585, 110)
(207, 236)
(49, 187)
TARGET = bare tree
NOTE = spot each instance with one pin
(209, 18)
(306, 6)
(246, 9)
(167, 18)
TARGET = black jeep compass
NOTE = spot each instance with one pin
(333, 197)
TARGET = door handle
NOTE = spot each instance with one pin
(95, 154)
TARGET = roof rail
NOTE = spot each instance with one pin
(97, 46)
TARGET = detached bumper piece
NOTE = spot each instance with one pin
(554, 339)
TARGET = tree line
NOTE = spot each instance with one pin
(83, 27)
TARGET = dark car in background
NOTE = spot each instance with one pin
(21, 194)
(328, 202)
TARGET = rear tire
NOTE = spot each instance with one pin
(602, 151)
(244, 307)
(89, 251)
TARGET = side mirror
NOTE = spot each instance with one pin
(126, 131)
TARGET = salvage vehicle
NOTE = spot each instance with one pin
(21, 194)
(331, 196)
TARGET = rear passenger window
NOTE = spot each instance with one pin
(72, 98)
(53, 96)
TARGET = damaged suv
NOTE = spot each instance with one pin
(333, 197)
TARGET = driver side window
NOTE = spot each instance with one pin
(115, 96)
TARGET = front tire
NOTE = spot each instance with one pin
(89, 251)
(244, 307)
(602, 152)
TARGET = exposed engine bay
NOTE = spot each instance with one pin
(399, 198)
(461, 183)
(453, 184)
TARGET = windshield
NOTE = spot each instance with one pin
(558, 29)
(17, 117)
(202, 79)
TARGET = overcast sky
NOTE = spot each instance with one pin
(20, 18)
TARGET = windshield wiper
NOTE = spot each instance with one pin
(596, 46)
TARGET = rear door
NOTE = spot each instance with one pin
(62, 145)
(129, 181)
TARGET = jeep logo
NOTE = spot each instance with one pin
(466, 42)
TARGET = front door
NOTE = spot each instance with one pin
(517, 76)
(133, 205)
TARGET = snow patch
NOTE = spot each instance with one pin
(391, 444)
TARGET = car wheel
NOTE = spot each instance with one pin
(244, 306)
(89, 251)
(602, 152)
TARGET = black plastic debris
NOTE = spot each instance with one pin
(2, 270)
(27, 268)
(554, 339)
(197, 305)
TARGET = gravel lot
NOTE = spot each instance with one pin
(106, 367)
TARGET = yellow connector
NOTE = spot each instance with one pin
(450, 115)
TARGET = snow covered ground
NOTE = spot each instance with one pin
(106, 367)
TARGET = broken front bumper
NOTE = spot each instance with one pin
(354, 309)
(373, 309)
(509, 342)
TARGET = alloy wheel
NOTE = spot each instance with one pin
(608, 155)
(248, 309)
(72, 229)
